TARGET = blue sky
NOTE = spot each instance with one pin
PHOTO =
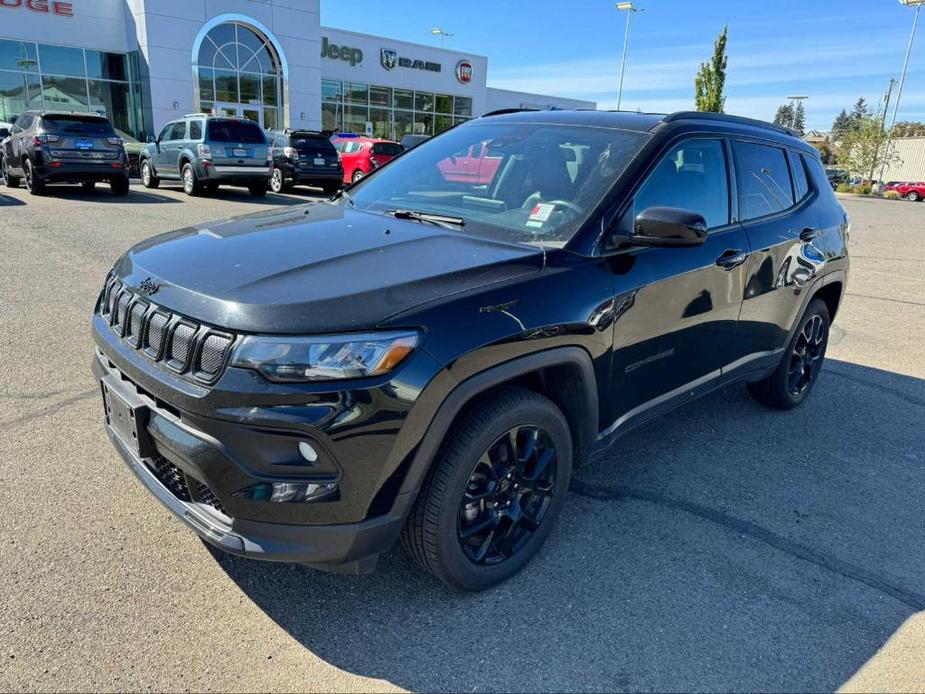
(832, 50)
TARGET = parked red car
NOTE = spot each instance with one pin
(910, 191)
(474, 167)
(360, 155)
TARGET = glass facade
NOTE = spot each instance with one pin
(239, 73)
(348, 106)
(41, 76)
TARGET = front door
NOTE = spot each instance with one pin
(229, 110)
(676, 309)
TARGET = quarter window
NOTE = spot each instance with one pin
(195, 130)
(800, 183)
(692, 177)
(763, 180)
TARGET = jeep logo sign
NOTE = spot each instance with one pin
(354, 56)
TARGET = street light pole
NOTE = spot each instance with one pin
(441, 33)
(794, 100)
(917, 4)
(629, 9)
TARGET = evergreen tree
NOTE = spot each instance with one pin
(711, 80)
(841, 125)
(784, 115)
(799, 119)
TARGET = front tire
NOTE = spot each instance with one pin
(912, 196)
(148, 178)
(494, 492)
(9, 180)
(792, 381)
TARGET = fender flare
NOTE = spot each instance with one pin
(448, 411)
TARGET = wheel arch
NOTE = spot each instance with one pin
(831, 293)
(565, 375)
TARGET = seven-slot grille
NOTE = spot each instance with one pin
(184, 346)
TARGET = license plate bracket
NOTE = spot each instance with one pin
(127, 419)
(238, 152)
(319, 161)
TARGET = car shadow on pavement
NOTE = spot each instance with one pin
(102, 194)
(725, 546)
(232, 194)
(10, 201)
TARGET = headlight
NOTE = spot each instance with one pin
(325, 357)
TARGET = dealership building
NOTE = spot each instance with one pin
(143, 63)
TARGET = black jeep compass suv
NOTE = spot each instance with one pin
(429, 355)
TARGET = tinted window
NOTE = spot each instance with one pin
(315, 143)
(165, 133)
(763, 180)
(24, 121)
(177, 131)
(800, 184)
(389, 149)
(235, 131)
(693, 177)
(195, 130)
(81, 126)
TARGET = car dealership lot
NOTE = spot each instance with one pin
(725, 546)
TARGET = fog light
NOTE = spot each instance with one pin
(289, 492)
(309, 453)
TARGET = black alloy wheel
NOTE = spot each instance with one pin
(806, 356)
(507, 495)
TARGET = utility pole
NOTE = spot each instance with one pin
(886, 107)
(629, 8)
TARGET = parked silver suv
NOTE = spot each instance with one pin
(204, 152)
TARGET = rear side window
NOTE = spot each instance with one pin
(800, 183)
(763, 180)
(195, 130)
(691, 176)
(235, 131)
(77, 126)
(820, 181)
(389, 149)
(314, 143)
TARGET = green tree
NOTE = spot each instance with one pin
(863, 148)
(711, 80)
(784, 115)
(825, 153)
(860, 111)
(799, 119)
(841, 125)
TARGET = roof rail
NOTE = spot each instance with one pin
(502, 111)
(190, 115)
(710, 115)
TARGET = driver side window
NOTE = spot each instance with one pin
(692, 176)
(165, 133)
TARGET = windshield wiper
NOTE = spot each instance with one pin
(342, 193)
(432, 217)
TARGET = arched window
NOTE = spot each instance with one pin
(239, 73)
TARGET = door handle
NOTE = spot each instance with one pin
(809, 233)
(732, 258)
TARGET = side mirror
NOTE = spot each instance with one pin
(4, 132)
(668, 226)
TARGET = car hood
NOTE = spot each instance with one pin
(315, 268)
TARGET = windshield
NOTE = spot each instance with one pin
(235, 131)
(80, 126)
(530, 183)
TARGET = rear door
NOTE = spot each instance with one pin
(677, 308)
(775, 208)
(384, 152)
(17, 140)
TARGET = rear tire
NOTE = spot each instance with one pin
(331, 190)
(88, 186)
(119, 186)
(792, 381)
(191, 183)
(148, 178)
(278, 181)
(912, 196)
(258, 190)
(487, 505)
(9, 180)
(34, 182)
(357, 175)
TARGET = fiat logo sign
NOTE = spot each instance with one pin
(464, 71)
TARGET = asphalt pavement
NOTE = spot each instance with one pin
(724, 547)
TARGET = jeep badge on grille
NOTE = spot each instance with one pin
(148, 287)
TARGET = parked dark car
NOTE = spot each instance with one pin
(836, 177)
(204, 152)
(304, 157)
(431, 359)
(63, 147)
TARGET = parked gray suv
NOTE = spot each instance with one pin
(204, 152)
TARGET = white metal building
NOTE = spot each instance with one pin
(145, 62)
